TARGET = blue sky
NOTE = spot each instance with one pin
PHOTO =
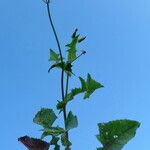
(117, 45)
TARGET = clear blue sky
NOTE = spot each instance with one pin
(118, 55)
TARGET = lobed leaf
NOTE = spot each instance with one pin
(87, 87)
(115, 134)
(72, 46)
(90, 86)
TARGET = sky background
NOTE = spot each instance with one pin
(118, 56)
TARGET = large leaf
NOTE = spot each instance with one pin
(72, 45)
(45, 117)
(71, 121)
(115, 134)
(54, 131)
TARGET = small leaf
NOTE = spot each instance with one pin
(71, 121)
(57, 65)
(72, 46)
(54, 131)
(91, 86)
(115, 134)
(54, 56)
(67, 67)
(45, 117)
(65, 141)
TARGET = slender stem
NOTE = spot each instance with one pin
(54, 31)
(83, 53)
(67, 86)
(62, 73)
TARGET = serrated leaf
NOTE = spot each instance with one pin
(73, 46)
(65, 141)
(45, 117)
(91, 86)
(54, 131)
(87, 87)
(71, 121)
(115, 134)
(54, 56)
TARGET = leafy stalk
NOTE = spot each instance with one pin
(62, 73)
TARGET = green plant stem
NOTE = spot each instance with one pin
(67, 86)
(62, 73)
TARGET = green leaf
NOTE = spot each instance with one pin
(54, 131)
(67, 67)
(57, 65)
(65, 141)
(72, 46)
(87, 87)
(91, 86)
(45, 117)
(71, 121)
(54, 56)
(115, 134)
